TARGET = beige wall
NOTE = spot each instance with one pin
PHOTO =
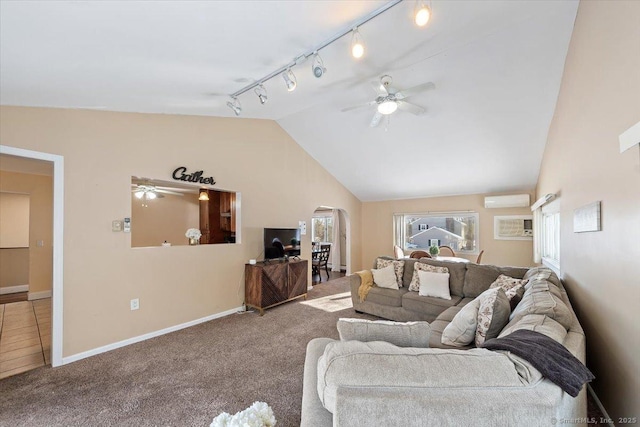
(163, 219)
(14, 267)
(14, 220)
(599, 99)
(377, 227)
(40, 258)
(102, 150)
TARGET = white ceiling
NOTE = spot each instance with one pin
(496, 65)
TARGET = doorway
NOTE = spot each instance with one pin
(331, 226)
(57, 163)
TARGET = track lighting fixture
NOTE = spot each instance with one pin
(422, 13)
(235, 106)
(357, 47)
(262, 94)
(290, 80)
(318, 66)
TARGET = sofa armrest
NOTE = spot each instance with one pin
(537, 404)
(402, 334)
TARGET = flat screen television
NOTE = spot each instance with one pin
(281, 242)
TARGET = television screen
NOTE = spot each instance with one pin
(279, 242)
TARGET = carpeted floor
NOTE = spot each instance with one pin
(188, 377)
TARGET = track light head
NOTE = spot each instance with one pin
(317, 67)
(261, 92)
(290, 80)
(422, 14)
(357, 46)
(235, 106)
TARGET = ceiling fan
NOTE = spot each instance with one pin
(390, 99)
(150, 192)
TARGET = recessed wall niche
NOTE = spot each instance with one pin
(162, 212)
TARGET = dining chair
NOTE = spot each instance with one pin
(319, 259)
(419, 254)
(398, 252)
(479, 257)
(446, 251)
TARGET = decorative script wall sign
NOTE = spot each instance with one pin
(180, 174)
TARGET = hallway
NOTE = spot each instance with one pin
(25, 336)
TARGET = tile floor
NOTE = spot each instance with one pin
(25, 336)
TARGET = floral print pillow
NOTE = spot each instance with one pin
(509, 285)
(420, 266)
(398, 268)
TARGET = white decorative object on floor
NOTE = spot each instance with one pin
(257, 415)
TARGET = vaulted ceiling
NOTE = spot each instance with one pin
(496, 65)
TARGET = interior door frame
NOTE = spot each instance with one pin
(58, 244)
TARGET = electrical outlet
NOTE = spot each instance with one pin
(135, 304)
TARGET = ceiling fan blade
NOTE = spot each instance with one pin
(375, 120)
(175, 193)
(379, 88)
(413, 90)
(355, 107)
(411, 108)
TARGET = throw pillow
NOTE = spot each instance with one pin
(420, 266)
(508, 284)
(398, 267)
(462, 329)
(513, 302)
(409, 334)
(385, 277)
(493, 314)
(434, 284)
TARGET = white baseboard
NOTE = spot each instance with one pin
(109, 347)
(604, 411)
(39, 295)
(14, 289)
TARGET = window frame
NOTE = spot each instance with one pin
(399, 227)
(552, 211)
(328, 239)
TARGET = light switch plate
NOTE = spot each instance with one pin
(127, 225)
(116, 225)
(303, 227)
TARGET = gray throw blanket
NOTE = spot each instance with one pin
(549, 357)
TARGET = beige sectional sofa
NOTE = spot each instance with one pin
(362, 382)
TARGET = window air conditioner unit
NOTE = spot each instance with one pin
(513, 201)
(513, 227)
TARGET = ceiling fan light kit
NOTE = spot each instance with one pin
(422, 14)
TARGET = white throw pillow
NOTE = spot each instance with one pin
(434, 284)
(462, 329)
(385, 277)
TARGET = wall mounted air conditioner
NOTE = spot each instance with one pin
(513, 227)
(512, 201)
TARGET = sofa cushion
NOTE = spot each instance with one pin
(434, 284)
(385, 277)
(493, 314)
(427, 305)
(390, 297)
(398, 268)
(542, 273)
(461, 331)
(380, 364)
(479, 277)
(407, 334)
(539, 323)
(546, 303)
(457, 271)
(421, 266)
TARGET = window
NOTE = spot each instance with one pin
(550, 235)
(322, 229)
(419, 231)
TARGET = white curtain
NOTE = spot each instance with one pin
(335, 247)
